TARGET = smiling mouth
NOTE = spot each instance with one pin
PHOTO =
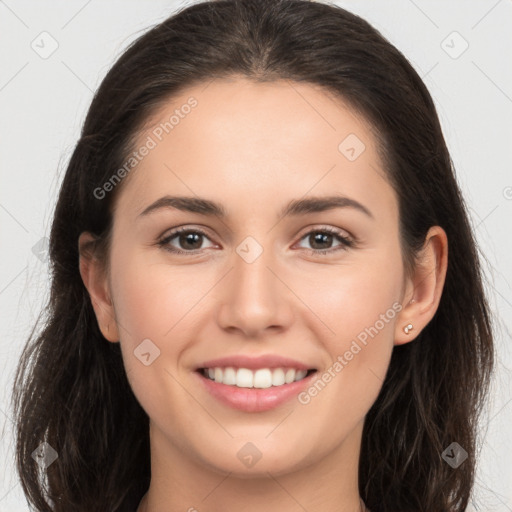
(261, 378)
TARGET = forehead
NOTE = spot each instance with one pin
(242, 140)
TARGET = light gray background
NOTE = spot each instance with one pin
(43, 102)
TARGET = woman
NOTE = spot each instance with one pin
(199, 356)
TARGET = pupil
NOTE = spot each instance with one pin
(189, 238)
(320, 237)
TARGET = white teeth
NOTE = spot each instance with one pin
(278, 377)
(229, 376)
(300, 374)
(261, 378)
(244, 378)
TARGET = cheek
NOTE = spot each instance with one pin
(351, 297)
(359, 303)
(151, 298)
(153, 303)
(163, 304)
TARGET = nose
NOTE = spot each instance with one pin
(255, 298)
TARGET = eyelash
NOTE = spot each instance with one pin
(346, 243)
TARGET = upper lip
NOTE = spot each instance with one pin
(253, 363)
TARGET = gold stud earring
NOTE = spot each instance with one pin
(407, 328)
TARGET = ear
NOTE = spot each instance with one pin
(92, 270)
(425, 287)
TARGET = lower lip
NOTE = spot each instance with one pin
(254, 399)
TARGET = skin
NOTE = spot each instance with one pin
(253, 148)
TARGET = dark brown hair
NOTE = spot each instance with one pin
(71, 388)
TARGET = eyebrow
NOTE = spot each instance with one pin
(293, 208)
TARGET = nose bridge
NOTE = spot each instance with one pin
(255, 298)
(254, 283)
(252, 277)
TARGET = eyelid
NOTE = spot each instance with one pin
(179, 229)
(325, 227)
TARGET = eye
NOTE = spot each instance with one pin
(189, 241)
(187, 238)
(320, 238)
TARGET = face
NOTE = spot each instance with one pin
(320, 286)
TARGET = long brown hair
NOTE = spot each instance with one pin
(71, 388)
